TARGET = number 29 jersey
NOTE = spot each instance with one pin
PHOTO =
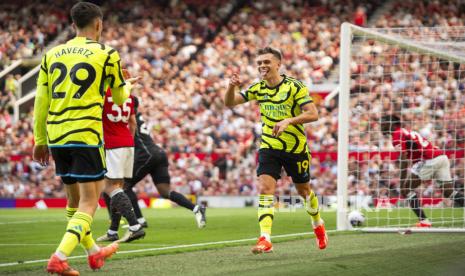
(77, 74)
(115, 118)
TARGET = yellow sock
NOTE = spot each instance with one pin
(313, 210)
(77, 227)
(70, 212)
(265, 214)
(88, 243)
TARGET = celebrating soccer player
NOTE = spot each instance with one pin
(68, 120)
(429, 162)
(151, 159)
(285, 105)
(119, 126)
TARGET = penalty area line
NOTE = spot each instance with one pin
(168, 248)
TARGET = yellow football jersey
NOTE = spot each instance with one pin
(276, 104)
(73, 79)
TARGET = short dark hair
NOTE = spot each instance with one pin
(393, 119)
(83, 13)
(269, 50)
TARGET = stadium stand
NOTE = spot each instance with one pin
(184, 60)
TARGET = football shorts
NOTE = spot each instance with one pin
(437, 168)
(296, 165)
(79, 164)
(120, 162)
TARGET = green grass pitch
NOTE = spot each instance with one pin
(28, 235)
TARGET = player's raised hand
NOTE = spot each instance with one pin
(128, 78)
(41, 154)
(235, 80)
(280, 127)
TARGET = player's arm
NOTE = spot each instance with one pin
(132, 124)
(120, 88)
(309, 113)
(41, 106)
(231, 98)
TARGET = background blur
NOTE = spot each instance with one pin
(186, 50)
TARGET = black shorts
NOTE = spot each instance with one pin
(297, 165)
(155, 164)
(79, 164)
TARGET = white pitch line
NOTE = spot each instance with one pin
(27, 244)
(167, 248)
(31, 221)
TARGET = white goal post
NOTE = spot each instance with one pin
(417, 74)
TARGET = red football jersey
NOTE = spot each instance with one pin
(416, 147)
(116, 133)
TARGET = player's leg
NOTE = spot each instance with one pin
(444, 178)
(268, 171)
(162, 180)
(120, 165)
(72, 196)
(407, 191)
(87, 168)
(78, 229)
(135, 204)
(58, 261)
(141, 169)
(297, 166)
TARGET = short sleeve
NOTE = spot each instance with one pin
(42, 80)
(251, 93)
(113, 70)
(398, 140)
(302, 96)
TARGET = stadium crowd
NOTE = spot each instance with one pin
(213, 148)
(26, 28)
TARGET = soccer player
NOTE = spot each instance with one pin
(285, 105)
(119, 125)
(68, 120)
(151, 159)
(428, 163)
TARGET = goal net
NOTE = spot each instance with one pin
(417, 74)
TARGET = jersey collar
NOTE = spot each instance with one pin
(278, 85)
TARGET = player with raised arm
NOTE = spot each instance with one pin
(428, 163)
(285, 105)
(119, 126)
(151, 159)
(68, 120)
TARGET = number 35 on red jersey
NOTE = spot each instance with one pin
(115, 118)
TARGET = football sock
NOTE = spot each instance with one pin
(121, 203)
(115, 220)
(181, 200)
(70, 212)
(77, 228)
(87, 241)
(133, 197)
(414, 203)
(141, 220)
(312, 208)
(265, 214)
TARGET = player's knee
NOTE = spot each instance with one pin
(266, 184)
(303, 190)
